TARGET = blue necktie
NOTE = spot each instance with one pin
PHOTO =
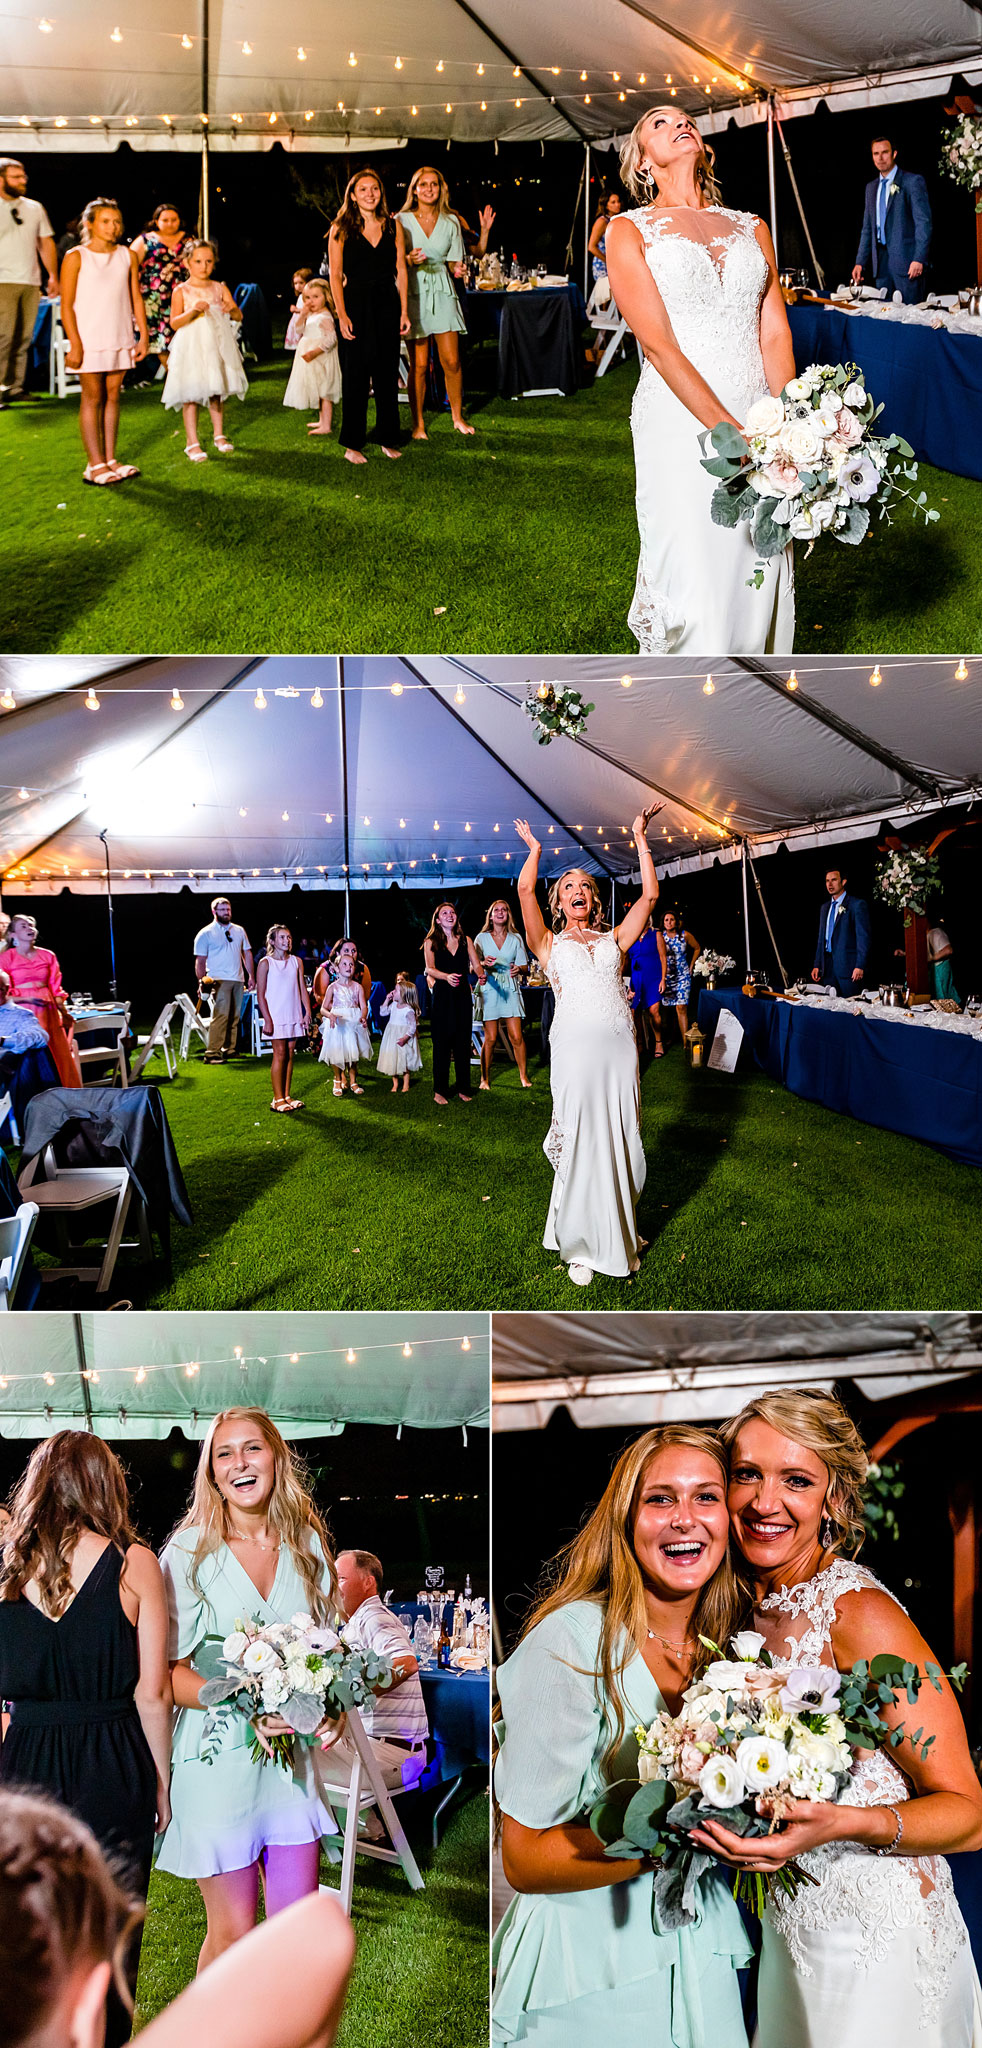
(881, 210)
(830, 924)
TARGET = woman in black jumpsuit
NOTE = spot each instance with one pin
(367, 262)
(450, 958)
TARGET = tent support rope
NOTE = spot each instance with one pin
(753, 666)
(536, 85)
(748, 858)
(501, 763)
(773, 122)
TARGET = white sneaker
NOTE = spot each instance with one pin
(580, 1275)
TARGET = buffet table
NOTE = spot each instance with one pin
(880, 1067)
(929, 382)
(538, 334)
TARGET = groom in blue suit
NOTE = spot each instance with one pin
(896, 238)
(843, 938)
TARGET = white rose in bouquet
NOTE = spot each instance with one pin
(799, 388)
(748, 1644)
(649, 1766)
(259, 1658)
(824, 418)
(800, 442)
(762, 1762)
(234, 1645)
(721, 1781)
(765, 416)
(819, 1750)
(854, 396)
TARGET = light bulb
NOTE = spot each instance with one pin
(91, 701)
(45, 26)
(301, 55)
(792, 681)
(626, 682)
(242, 811)
(352, 59)
(140, 1375)
(480, 71)
(48, 1378)
(459, 695)
(259, 699)
(328, 817)
(402, 824)
(177, 701)
(876, 678)
(186, 43)
(23, 794)
(399, 64)
(440, 66)
(117, 36)
(961, 674)
(366, 821)
(317, 701)
(395, 689)
(285, 815)
(465, 1343)
(350, 1356)
(709, 687)
(407, 1351)
(247, 49)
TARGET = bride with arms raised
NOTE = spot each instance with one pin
(877, 1946)
(697, 284)
(594, 1142)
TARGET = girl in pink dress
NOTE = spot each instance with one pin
(35, 981)
(204, 366)
(284, 1004)
(104, 317)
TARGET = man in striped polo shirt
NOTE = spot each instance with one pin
(396, 1724)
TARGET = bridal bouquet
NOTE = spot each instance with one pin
(713, 963)
(809, 463)
(554, 708)
(749, 1734)
(304, 1673)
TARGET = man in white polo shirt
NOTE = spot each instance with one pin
(222, 953)
(396, 1725)
(26, 241)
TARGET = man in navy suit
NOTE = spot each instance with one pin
(896, 238)
(843, 938)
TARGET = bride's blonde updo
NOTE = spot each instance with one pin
(817, 1420)
(640, 179)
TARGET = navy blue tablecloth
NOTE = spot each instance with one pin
(925, 1084)
(929, 382)
(458, 1707)
(538, 335)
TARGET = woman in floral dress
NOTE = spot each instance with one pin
(162, 252)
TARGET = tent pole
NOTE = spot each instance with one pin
(819, 272)
(79, 1336)
(343, 737)
(205, 209)
(771, 178)
(104, 836)
(746, 910)
(586, 225)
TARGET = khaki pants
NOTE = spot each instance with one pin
(223, 1033)
(400, 1768)
(18, 312)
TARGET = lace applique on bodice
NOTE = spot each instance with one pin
(884, 1894)
(587, 975)
(711, 273)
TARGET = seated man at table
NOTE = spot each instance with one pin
(843, 938)
(396, 1725)
(896, 238)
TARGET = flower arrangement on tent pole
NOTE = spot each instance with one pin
(961, 160)
(906, 878)
(555, 709)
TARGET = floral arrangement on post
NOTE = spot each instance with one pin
(907, 878)
(712, 964)
(303, 1673)
(961, 156)
(554, 709)
(809, 464)
(750, 1738)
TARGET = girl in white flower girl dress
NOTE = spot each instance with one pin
(204, 366)
(399, 1051)
(344, 1016)
(315, 379)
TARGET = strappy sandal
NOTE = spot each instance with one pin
(294, 1102)
(223, 444)
(100, 474)
(123, 470)
(277, 1108)
(195, 452)
(355, 1090)
(339, 1087)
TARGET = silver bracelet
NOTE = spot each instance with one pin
(889, 1847)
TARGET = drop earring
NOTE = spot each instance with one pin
(826, 1532)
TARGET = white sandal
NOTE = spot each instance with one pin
(195, 452)
(580, 1274)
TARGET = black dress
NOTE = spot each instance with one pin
(451, 1020)
(371, 301)
(74, 1729)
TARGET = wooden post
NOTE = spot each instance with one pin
(961, 1514)
(915, 948)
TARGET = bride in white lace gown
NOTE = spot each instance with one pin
(697, 283)
(594, 1143)
(878, 1947)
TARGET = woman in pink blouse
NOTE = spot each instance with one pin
(35, 981)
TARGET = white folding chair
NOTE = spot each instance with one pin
(261, 1045)
(116, 1019)
(7, 1117)
(60, 379)
(16, 1233)
(67, 1192)
(192, 1025)
(355, 1793)
(158, 1040)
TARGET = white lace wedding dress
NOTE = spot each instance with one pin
(594, 1142)
(878, 1949)
(692, 595)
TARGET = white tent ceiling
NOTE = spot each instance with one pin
(142, 1376)
(616, 1370)
(84, 77)
(217, 793)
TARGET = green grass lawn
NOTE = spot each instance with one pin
(754, 1199)
(422, 1968)
(521, 540)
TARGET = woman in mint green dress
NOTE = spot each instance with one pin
(502, 950)
(434, 249)
(614, 1642)
(251, 1545)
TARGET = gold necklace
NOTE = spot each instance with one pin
(653, 1636)
(236, 1538)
